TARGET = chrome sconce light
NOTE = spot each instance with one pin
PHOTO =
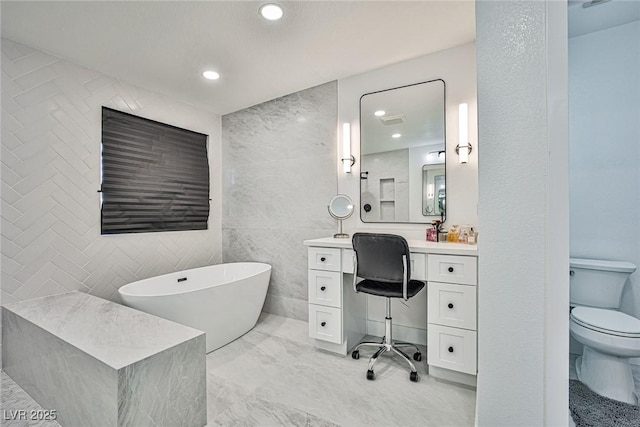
(347, 158)
(463, 149)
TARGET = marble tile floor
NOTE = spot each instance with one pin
(273, 376)
(13, 400)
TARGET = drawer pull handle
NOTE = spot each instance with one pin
(323, 259)
(323, 324)
(450, 269)
(323, 288)
(450, 349)
(450, 305)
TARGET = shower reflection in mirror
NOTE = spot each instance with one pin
(402, 149)
(434, 200)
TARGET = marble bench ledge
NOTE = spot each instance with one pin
(100, 363)
(116, 335)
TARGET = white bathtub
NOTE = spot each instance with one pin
(222, 300)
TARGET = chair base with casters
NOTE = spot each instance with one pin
(387, 345)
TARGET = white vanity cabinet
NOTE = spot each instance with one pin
(452, 316)
(325, 300)
(338, 315)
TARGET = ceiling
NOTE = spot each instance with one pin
(165, 46)
(600, 14)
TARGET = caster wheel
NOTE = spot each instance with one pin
(414, 377)
(370, 375)
(355, 354)
(417, 356)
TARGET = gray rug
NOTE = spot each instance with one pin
(589, 409)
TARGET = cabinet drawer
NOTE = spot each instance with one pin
(347, 261)
(325, 323)
(452, 269)
(418, 266)
(324, 288)
(452, 348)
(324, 259)
(452, 305)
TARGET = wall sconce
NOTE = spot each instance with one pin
(430, 191)
(463, 149)
(347, 159)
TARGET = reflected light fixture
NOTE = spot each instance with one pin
(463, 149)
(396, 135)
(379, 113)
(210, 75)
(271, 11)
(347, 159)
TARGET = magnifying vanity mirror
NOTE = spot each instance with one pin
(403, 153)
(340, 207)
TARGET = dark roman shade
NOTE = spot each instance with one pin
(155, 177)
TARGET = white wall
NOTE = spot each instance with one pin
(456, 67)
(523, 208)
(51, 133)
(604, 136)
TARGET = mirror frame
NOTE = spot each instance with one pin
(333, 199)
(430, 218)
(340, 234)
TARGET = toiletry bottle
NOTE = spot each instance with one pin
(463, 237)
(442, 235)
(473, 237)
(453, 234)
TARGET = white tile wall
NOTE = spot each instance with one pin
(51, 131)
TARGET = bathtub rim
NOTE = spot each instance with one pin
(122, 291)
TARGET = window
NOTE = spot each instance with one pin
(155, 177)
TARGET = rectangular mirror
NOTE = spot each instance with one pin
(402, 154)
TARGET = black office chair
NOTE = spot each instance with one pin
(383, 261)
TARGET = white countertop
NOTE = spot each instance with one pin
(112, 333)
(418, 246)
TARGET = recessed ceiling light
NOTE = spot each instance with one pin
(396, 135)
(379, 113)
(271, 11)
(211, 75)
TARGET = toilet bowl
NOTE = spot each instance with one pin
(610, 338)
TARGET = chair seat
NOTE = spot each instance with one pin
(391, 290)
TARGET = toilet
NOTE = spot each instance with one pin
(609, 336)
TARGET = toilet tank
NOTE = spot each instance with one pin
(597, 283)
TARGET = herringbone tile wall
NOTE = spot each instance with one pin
(51, 127)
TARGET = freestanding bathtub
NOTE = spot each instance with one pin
(222, 300)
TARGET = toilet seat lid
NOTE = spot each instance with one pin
(608, 321)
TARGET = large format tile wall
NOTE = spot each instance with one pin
(279, 172)
(51, 132)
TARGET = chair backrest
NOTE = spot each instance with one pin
(379, 257)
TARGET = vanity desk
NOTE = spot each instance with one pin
(338, 315)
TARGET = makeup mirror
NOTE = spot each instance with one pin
(340, 207)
